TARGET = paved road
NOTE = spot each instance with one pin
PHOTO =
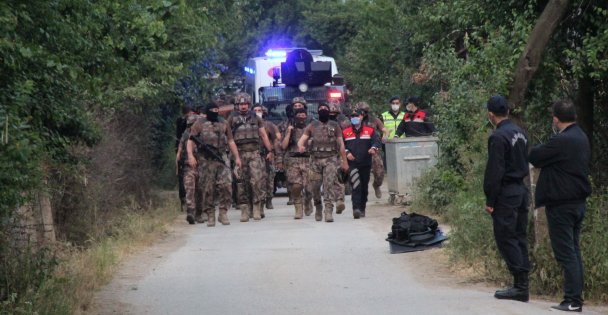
(284, 266)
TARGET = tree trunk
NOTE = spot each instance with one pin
(535, 46)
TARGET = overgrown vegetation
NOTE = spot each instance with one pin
(63, 278)
(90, 90)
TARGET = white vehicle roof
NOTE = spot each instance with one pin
(258, 72)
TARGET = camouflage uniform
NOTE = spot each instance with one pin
(377, 163)
(344, 122)
(271, 130)
(194, 192)
(215, 176)
(252, 175)
(324, 165)
(297, 165)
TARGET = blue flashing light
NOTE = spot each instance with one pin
(249, 70)
(276, 53)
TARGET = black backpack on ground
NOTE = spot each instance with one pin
(412, 229)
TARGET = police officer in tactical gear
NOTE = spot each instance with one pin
(297, 103)
(181, 125)
(507, 196)
(275, 139)
(339, 188)
(211, 137)
(298, 164)
(248, 129)
(326, 144)
(193, 193)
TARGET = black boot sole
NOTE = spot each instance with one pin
(190, 219)
(520, 298)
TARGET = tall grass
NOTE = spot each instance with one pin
(62, 279)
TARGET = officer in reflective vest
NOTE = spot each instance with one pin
(391, 118)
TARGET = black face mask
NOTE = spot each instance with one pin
(333, 117)
(300, 123)
(323, 115)
(212, 116)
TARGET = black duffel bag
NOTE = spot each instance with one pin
(412, 229)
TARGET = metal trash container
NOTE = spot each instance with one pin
(406, 160)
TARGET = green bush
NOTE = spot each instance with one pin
(23, 271)
(436, 190)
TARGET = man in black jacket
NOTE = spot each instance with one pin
(361, 144)
(507, 196)
(416, 122)
(562, 187)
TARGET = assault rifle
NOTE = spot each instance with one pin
(208, 150)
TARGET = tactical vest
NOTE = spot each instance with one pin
(391, 123)
(246, 135)
(296, 134)
(324, 142)
(214, 134)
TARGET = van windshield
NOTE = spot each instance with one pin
(276, 112)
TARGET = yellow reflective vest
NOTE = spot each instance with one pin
(391, 123)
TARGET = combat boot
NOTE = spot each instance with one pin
(290, 201)
(319, 212)
(244, 212)
(518, 292)
(356, 213)
(211, 218)
(223, 217)
(329, 209)
(262, 204)
(340, 206)
(269, 203)
(299, 211)
(307, 207)
(257, 211)
(250, 210)
(190, 216)
(378, 192)
(201, 217)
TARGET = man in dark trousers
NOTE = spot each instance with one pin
(562, 187)
(361, 144)
(507, 196)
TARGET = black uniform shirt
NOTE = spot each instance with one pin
(507, 160)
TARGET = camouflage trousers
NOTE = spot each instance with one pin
(297, 175)
(377, 169)
(269, 187)
(338, 188)
(323, 171)
(252, 177)
(216, 183)
(194, 192)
